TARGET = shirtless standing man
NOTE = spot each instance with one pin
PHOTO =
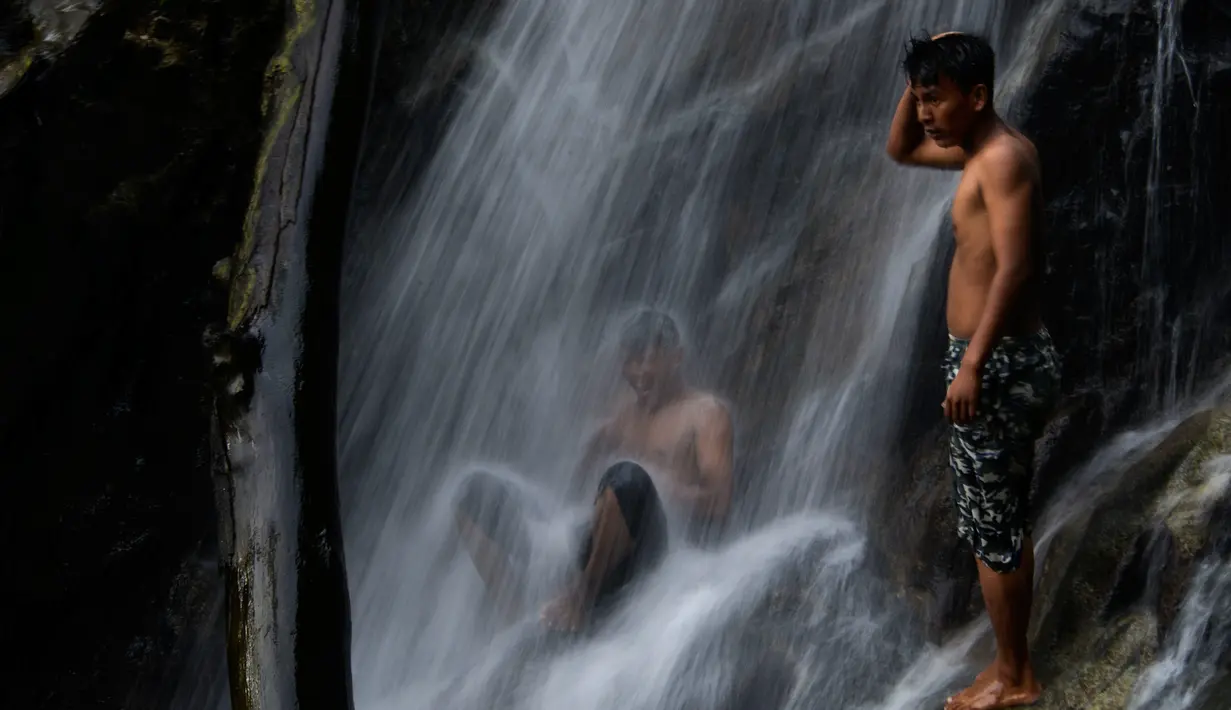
(1002, 369)
(683, 435)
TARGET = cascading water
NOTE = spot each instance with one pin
(1155, 316)
(1193, 659)
(607, 155)
(1182, 679)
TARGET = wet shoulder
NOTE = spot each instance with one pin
(707, 408)
(1010, 156)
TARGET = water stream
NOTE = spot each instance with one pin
(1190, 665)
(1192, 662)
(682, 155)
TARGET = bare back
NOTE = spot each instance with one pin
(974, 261)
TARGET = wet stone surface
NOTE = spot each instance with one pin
(125, 162)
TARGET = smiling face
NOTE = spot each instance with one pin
(946, 112)
(652, 373)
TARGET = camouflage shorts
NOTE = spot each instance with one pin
(992, 455)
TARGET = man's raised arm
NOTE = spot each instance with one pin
(909, 145)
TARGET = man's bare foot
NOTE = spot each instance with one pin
(996, 695)
(987, 675)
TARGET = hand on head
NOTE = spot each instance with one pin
(934, 38)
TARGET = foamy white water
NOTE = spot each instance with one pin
(679, 154)
(1193, 659)
(1194, 656)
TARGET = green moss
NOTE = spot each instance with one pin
(172, 52)
(282, 92)
(12, 72)
(1088, 661)
(131, 194)
(222, 269)
(245, 670)
(148, 125)
(1101, 669)
(1180, 505)
(1102, 673)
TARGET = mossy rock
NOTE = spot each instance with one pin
(1110, 583)
(1123, 649)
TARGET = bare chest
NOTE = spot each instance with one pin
(665, 440)
(971, 229)
(968, 212)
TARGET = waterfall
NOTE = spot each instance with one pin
(1182, 678)
(681, 155)
(1163, 350)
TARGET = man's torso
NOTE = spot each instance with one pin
(974, 262)
(665, 440)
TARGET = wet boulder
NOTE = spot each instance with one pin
(126, 158)
(1127, 116)
(1113, 575)
(16, 31)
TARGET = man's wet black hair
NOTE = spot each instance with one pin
(968, 60)
(648, 330)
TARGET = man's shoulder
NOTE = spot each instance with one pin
(708, 406)
(1009, 162)
(1007, 155)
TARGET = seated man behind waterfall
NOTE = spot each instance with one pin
(665, 436)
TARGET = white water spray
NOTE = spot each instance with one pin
(686, 155)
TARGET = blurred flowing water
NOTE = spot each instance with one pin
(604, 156)
(1185, 676)
(1163, 330)
(1192, 665)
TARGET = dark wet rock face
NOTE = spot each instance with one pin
(17, 38)
(274, 455)
(33, 33)
(1138, 581)
(125, 163)
(1128, 117)
(1113, 580)
(16, 30)
(1128, 126)
(1220, 530)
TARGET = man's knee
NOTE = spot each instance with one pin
(626, 477)
(481, 495)
(634, 492)
(1001, 552)
(632, 486)
(1001, 563)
